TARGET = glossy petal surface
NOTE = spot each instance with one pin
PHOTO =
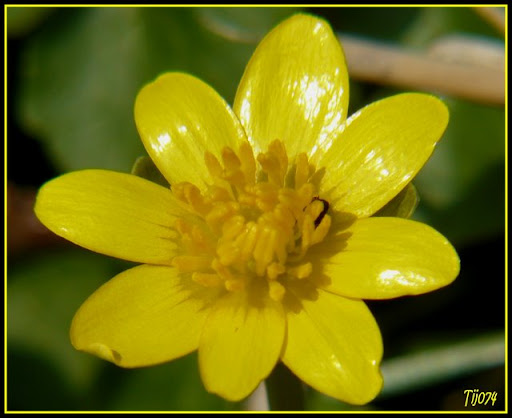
(295, 87)
(240, 345)
(382, 258)
(381, 149)
(112, 213)
(143, 316)
(179, 117)
(334, 345)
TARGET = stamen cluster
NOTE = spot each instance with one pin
(252, 225)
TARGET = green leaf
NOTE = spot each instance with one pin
(82, 72)
(174, 386)
(477, 215)
(369, 21)
(22, 20)
(462, 185)
(43, 294)
(434, 22)
(472, 144)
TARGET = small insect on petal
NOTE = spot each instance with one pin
(319, 218)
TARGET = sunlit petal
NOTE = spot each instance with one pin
(295, 87)
(112, 213)
(179, 117)
(381, 149)
(382, 258)
(143, 316)
(334, 345)
(240, 345)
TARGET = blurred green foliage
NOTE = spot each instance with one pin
(82, 71)
(73, 77)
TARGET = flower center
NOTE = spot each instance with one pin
(257, 223)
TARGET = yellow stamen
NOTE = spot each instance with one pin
(212, 164)
(221, 212)
(274, 270)
(228, 253)
(302, 271)
(250, 238)
(230, 159)
(234, 285)
(301, 170)
(243, 230)
(321, 230)
(248, 163)
(190, 194)
(276, 291)
(222, 270)
(275, 162)
(233, 227)
(207, 279)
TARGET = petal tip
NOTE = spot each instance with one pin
(437, 108)
(301, 19)
(97, 349)
(104, 352)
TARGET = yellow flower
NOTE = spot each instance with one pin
(265, 246)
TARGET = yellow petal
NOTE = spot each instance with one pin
(112, 213)
(143, 316)
(179, 117)
(381, 149)
(334, 345)
(295, 87)
(382, 258)
(240, 345)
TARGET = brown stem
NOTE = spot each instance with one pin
(389, 65)
(24, 231)
(494, 16)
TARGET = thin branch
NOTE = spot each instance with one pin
(24, 231)
(389, 65)
(495, 16)
(438, 364)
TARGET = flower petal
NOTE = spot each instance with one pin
(143, 316)
(381, 149)
(334, 345)
(240, 345)
(116, 214)
(386, 258)
(179, 117)
(295, 87)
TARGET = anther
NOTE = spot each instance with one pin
(230, 159)
(302, 271)
(301, 170)
(207, 279)
(276, 291)
(241, 230)
(234, 285)
(248, 164)
(274, 270)
(212, 164)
